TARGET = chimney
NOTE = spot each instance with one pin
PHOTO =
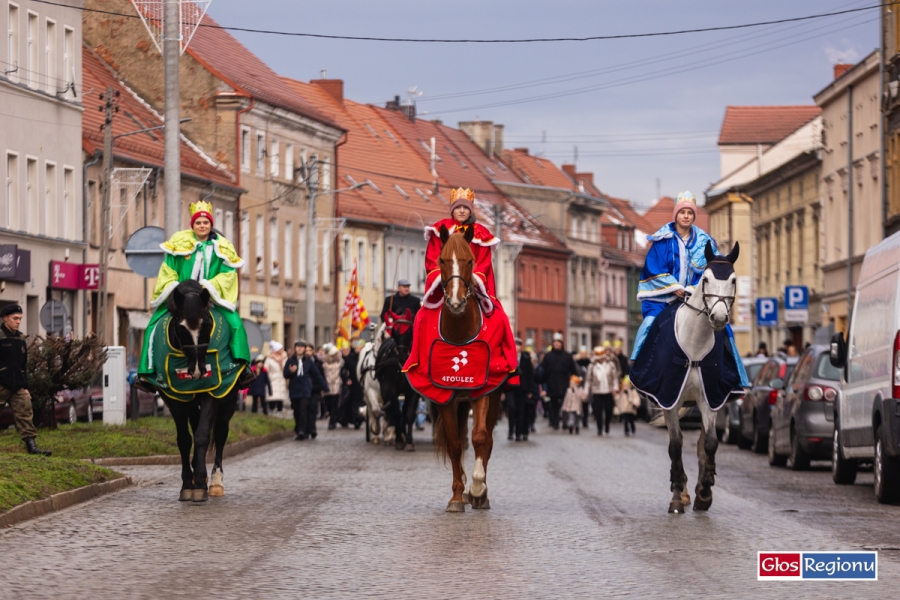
(485, 135)
(409, 110)
(841, 68)
(522, 150)
(334, 88)
(589, 177)
(570, 171)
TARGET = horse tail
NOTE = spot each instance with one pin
(439, 438)
(192, 311)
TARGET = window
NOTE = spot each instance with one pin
(375, 270)
(361, 261)
(50, 56)
(301, 254)
(69, 56)
(325, 174)
(326, 261)
(93, 213)
(12, 41)
(390, 263)
(245, 150)
(260, 153)
(260, 244)
(228, 226)
(8, 213)
(218, 219)
(346, 259)
(28, 221)
(413, 269)
(67, 228)
(49, 211)
(32, 42)
(300, 178)
(274, 158)
(422, 270)
(245, 235)
(273, 246)
(288, 250)
(289, 162)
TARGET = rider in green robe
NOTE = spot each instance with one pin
(201, 254)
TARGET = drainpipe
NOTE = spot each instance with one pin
(85, 232)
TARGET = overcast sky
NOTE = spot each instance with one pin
(645, 108)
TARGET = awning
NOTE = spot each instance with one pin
(138, 319)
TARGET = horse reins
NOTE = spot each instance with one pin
(707, 309)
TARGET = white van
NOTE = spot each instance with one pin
(867, 414)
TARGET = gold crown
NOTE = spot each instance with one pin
(462, 194)
(201, 207)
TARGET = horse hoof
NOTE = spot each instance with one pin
(686, 499)
(410, 448)
(399, 445)
(456, 507)
(216, 487)
(702, 503)
(676, 507)
(376, 441)
(186, 495)
(200, 496)
(481, 502)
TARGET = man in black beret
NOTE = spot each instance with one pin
(13, 381)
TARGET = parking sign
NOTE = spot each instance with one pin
(796, 304)
(767, 312)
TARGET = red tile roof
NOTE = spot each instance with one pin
(375, 152)
(536, 170)
(763, 124)
(134, 113)
(661, 213)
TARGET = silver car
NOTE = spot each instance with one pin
(728, 419)
(802, 423)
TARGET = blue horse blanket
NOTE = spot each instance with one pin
(661, 369)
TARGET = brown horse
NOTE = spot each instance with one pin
(460, 322)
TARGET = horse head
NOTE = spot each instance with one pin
(717, 287)
(189, 306)
(457, 263)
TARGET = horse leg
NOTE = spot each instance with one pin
(410, 405)
(677, 477)
(224, 411)
(201, 446)
(181, 415)
(448, 419)
(707, 446)
(484, 418)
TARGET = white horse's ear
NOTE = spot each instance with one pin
(708, 252)
(735, 252)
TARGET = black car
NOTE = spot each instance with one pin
(756, 408)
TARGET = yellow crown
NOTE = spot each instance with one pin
(462, 194)
(201, 207)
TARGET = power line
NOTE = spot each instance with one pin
(509, 40)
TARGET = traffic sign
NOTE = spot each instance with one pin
(143, 251)
(796, 304)
(767, 312)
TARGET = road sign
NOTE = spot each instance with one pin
(796, 304)
(143, 253)
(54, 317)
(767, 312)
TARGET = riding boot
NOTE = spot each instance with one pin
(32, 448)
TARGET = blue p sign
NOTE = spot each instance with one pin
(796, 296)
(767, 312)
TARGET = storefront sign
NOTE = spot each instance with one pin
(63, 275)
(89, 277)
(23, 266)
(7, 261)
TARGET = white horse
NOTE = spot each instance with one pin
(365, 373)
(704, 313)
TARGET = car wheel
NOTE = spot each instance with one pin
(742, 442)
(775, 459)
(90, 411)
(72, 417)
(887, 473)
(758, 443)
(843, 471)
(799, 457)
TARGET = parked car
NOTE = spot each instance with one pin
(150, 404)
(802, 423)
(867, 414)
(70, 405)
(728, 418)
(757, 404)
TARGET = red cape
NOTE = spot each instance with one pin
(436, 369)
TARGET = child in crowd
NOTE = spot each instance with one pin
(627, 403)
(571, 407)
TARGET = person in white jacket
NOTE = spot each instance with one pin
(275, 366)
(603, 378)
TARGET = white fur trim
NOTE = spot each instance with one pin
(173, 253)
(164, 295)
(492, 242)
(240, 263)
(487, 305)
(660, 292)
(433, 304)
(430, 231)
(215, 295)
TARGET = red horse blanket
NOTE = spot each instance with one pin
(437, 369)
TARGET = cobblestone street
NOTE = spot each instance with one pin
(572, 516)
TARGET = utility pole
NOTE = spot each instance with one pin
(311, 176)
(172, 162)
(109, 109)
(849, 204)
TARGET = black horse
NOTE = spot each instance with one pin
(389, 363)
(206, 413)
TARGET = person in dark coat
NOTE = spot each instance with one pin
(556, 368)
(350, 403)
(317, 392)
(524, 397)
(301, 372)
(257, 389)
(583, 361)
(398, 303)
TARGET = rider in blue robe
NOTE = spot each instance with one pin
(673, 267)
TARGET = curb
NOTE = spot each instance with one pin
(230, 451)
(57, 502)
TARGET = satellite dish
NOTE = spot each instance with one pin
(143, 253)
(255, 337)
(54, 317)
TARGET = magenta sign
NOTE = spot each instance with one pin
(89, 277)
(69, 276)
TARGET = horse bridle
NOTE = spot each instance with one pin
(445, 283)
(707, 309)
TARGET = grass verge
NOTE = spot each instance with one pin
(148, 436)
(24, 478)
